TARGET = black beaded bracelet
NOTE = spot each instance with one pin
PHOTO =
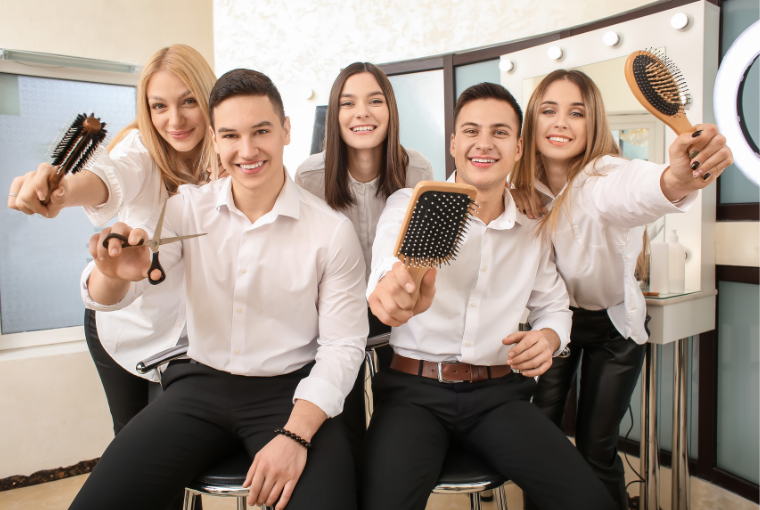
(295, 437)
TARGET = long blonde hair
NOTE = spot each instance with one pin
(599, 142)
(192, 69)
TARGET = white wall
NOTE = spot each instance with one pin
(304, 44)
(121, 30)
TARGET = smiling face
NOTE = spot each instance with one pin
(486, 144)
(561, 123)
(363, 113)
(250, 139)
(175, 112)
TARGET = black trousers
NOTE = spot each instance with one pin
(127, 394)
(355, 406)
(416, 419)
(194, 422)
(609, 372)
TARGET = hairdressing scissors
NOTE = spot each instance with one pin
(153, 244)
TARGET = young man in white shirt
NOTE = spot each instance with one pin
(276, 325)
(464, 327)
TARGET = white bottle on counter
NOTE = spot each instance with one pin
(659, 268)
(676, 264)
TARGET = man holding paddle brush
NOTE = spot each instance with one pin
(456, 342)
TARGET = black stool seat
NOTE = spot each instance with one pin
(230, 471)
(463, 471)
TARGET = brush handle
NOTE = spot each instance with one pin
(418, 273)
(54, 180)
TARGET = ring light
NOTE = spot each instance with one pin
(727, 100)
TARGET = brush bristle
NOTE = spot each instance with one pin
(661, 82)
(77, 147)
(436, 229)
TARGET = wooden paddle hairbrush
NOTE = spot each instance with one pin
(660, 88)
(434, 226)
(75, 147)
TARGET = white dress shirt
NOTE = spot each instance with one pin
(267, 298)
(156, 320)
(501, 269)
(611, 203)
(365, 213)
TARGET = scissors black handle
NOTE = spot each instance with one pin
(123, 239)
(155, 264)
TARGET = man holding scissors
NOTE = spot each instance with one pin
(276, 323)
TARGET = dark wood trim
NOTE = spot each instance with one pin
(736, 484)
(707, 419)
(494, 52)
(739, 274)
(412, 66)
(737, 212)
(449, 101)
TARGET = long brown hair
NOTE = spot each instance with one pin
(599, 142)
(395, 159)
(192, 69)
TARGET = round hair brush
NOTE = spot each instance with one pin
(660, 88)
(434, 226)
(75, 148)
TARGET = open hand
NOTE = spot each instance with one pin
(275, 472)
(528, 203)
(394, 300)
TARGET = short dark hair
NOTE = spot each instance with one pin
(244, 82)
(489, 91)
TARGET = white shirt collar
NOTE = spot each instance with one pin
(371, 184)
(508, 218)
(287, 203)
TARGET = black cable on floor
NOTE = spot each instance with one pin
(625, 452)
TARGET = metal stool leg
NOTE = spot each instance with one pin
(500, 498)
(475, 501)
(191, 500)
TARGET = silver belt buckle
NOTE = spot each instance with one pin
(440, 373)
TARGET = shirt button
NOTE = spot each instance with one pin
(237, 351)
(239, 310)
(467, 344)
(242, 271)
(473, 305)
(484, 269)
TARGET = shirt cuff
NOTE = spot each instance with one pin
(558, 327)
(100, 214)
(660, 202)
(134, 292)
(378, 272)
(320, 393)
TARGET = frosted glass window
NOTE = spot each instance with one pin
(41, 259)
(420, 106)
(469, 75)
(737, 16)
(738, 381)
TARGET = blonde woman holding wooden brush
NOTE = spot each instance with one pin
(595, 207)
(166, 146)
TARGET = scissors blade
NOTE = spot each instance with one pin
(156, 242)
(180, 238)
